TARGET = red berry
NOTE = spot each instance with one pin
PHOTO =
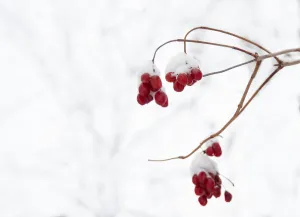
(212, 175)
(145, 78)
(190, 80)
(199, 191)
(197, 74)
(209, 195)
(209, 151)
(195, 179)
(149, 98)
(182, 79)
(227, 196)
(166, 103)
(160, 98)
(170, 77)
(142, 100)
(218, 180)
(202, 200)
(217, 192)
(155, 82)
(217, 149)
(144, 89)
(210, 184)
(202, 177)
(178, 87)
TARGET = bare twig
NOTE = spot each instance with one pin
(236, 114)
(258, 59)
(202, 42)
(232, 67)
(278, 53)
(232, 34)
(240, 105)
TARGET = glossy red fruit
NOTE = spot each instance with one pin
(209, 151)
(199, 191)
(218, 180)
(145, 78)
(202, 177)
(190, 80)
(197, 74)
(182, 79)
(149, 98)
(160, 98)
(195, 179)
(227, 196)
(178, 87)
(170, 77)
(202, 200)
(209, 195)
(144, 89)
(210, 184)
(142, 100)
(217, 149)
(217, 192)
(155, 82)
(211, 175)
(166, 103)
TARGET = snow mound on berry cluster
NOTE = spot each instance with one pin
(202, 162)
(148, 67)
(182, 62)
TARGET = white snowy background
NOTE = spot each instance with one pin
(75, 143)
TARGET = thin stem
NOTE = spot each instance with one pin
(232, 67)
(232, 34)
(202, 42)
(240, 105)
(291, 63)
(260, 87)
(278, 53)
(236, 115)
(227, 179)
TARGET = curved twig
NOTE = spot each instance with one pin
(202, 42)
(232, 34)
(235, 116)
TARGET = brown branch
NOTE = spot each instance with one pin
(263, 57)
(258, 59)
(202, 42)
(240, 105)
(232, 34)
(260, 87)
(227, 69)
(236, 114)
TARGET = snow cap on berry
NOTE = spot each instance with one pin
(148, 67)
(202, 162)
(186, 61)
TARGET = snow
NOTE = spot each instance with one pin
(202, 162)
(148, 67)
(181, 63)
(74, 142)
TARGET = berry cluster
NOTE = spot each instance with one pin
(214, 150)
(208, 185)
(183, 70)
(150, 86)
(206, 176)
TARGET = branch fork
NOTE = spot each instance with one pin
(258, 59)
